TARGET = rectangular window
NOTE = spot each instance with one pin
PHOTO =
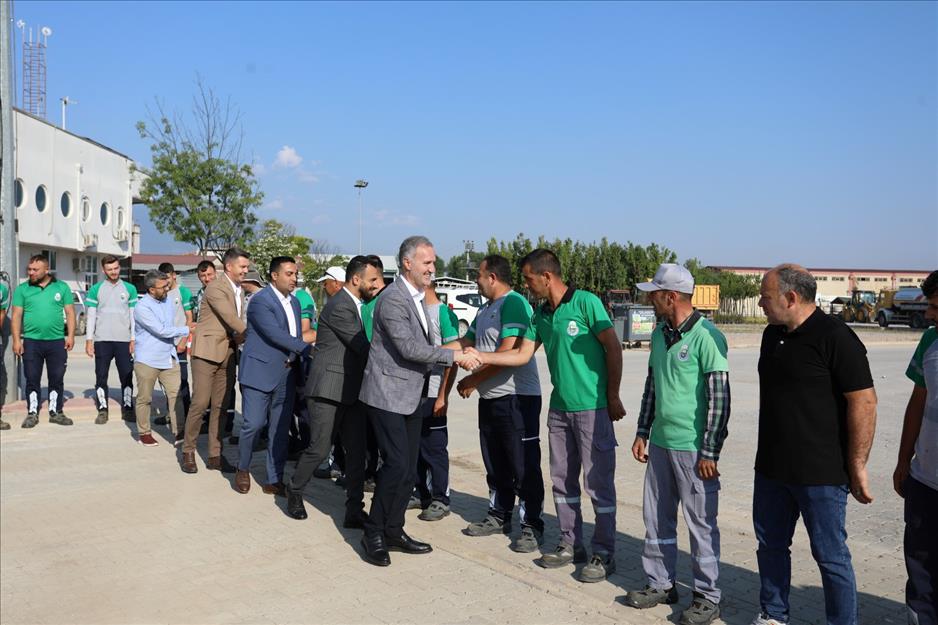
(880, 279)
(862, 279)
(906, 280)
(50, 254)
(821, 278)
(837, 279)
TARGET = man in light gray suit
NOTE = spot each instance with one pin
(396, 380)
(332, 389)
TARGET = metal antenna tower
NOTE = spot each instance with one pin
(34, 69)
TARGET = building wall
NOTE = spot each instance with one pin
(833, 283)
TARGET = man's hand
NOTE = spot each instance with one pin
(239, 338)
(181, 345)
(859, 486)
(899, 476)
(466, 386)
(131, 347)
(640, 449)
(89, 348)
(615, 408)
(17, 346)
(707, 469)
(440, 406)
(69, 343)
(467, 359)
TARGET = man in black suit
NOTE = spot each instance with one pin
(332, 389)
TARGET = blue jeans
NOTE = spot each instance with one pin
(776, 507)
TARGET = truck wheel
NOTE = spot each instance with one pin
(881, 320)
(463, 328)
(917, 321)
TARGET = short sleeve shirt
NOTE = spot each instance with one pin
(803, 376)
(506, 317)
(4, 297)
(181, 298)
(680, 375)
(443, 329)
(43, 309)
(307, 306)
(923, 371)
(575, 357)
(113, 304)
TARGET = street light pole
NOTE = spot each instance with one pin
(360, 184)
(470, 246)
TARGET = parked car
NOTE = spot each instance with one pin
(463, 301)
(81, 322)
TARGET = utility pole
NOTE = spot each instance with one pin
(360, 184)
(470, 246)
(65, 102)
(8, 251)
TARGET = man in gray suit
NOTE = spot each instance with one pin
(396, 380)
(332, 389)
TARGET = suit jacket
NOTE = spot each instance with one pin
(401, 355)
(218, 321)
(269, 344)
(341, 352)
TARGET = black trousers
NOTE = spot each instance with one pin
(52, 354)
(328, 418)
(398, 437)
(432, 482)
(921, 551)
(104, 353)
(509, 434)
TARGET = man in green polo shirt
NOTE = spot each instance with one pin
(307, 314)
(39, 305)
(681, 429)
(584, 357)
(4, 305)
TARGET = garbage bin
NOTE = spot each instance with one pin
(638, 324)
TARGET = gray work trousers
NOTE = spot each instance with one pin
(671, 478)
(586, 439)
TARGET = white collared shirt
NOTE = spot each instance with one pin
(237, 292)
(418, 302)
(287, 308)
(358, 302)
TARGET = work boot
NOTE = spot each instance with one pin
(434, 512)
(101, 419)
(529, 541)
(600, 566)
(702, 611)
(59, 418)
(31, 420)
(650, 597)
(4, 425)
(563, 555)
(488, 526)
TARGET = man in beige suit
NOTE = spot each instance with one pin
(219, 331)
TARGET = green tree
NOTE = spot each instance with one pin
(197, 188)
(277, 239)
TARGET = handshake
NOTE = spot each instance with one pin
(468, 359)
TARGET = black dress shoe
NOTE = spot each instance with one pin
(406, 544)
(375, 551)
(295, 507)
(355, 521)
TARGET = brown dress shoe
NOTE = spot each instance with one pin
(278, 489)
(188, 462)
(242, 482)
(219, 463)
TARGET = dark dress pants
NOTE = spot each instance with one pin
(398, 439)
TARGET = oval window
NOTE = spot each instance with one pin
(41, 198)
(120, 217)
(105, 214)
(19, 193)
(66, 204)
(85, 209)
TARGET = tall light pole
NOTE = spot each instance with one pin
(360, 184)
(470, 246)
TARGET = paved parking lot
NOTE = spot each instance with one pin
(97, 529)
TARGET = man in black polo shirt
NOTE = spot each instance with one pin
(817, 416)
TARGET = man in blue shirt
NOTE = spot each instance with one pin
(155, 355)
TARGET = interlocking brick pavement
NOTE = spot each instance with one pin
(95, 528)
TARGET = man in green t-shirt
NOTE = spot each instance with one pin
(681, 429)
(40, 337)
(584, 357)
(4, 305)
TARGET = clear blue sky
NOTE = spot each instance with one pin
(739, 133)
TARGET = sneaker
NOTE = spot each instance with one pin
(650, 597)
(4, 425)
(31, 420)
(434, 512)
(147, 440)
(489, 526)
(561, 556)
(529, 541)
(414, 503)
(59, 418)
(101, 418)
(600, 566)
(702, 611)
(763, 619)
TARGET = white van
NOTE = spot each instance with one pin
(462, 297)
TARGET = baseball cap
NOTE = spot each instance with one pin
(669, 277)
(333, 273)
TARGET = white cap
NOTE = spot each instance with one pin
(670, 277)
(334, 273)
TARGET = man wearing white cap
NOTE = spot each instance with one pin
(681, 429)
(333, 280)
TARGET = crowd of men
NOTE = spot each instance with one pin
(369, 381)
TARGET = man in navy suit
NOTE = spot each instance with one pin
(268, 373)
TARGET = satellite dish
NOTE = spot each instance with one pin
(46, 31)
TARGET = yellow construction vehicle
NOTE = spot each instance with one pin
(860, 307)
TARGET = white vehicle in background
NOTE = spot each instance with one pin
(462, 297)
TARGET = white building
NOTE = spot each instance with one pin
(74, 200)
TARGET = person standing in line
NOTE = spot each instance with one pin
(156, 358)
(206, 272)
(584, 357)
(4, 305)
(109, 335)
(509, 411)
(181, 298)
(817, 417)
(681, 430)
(371, 443)
(39, 305)
(431, 491)
(916, 476)
(220, 330)
(268, 372)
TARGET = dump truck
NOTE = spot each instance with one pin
(907, 305)
(706, 298)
